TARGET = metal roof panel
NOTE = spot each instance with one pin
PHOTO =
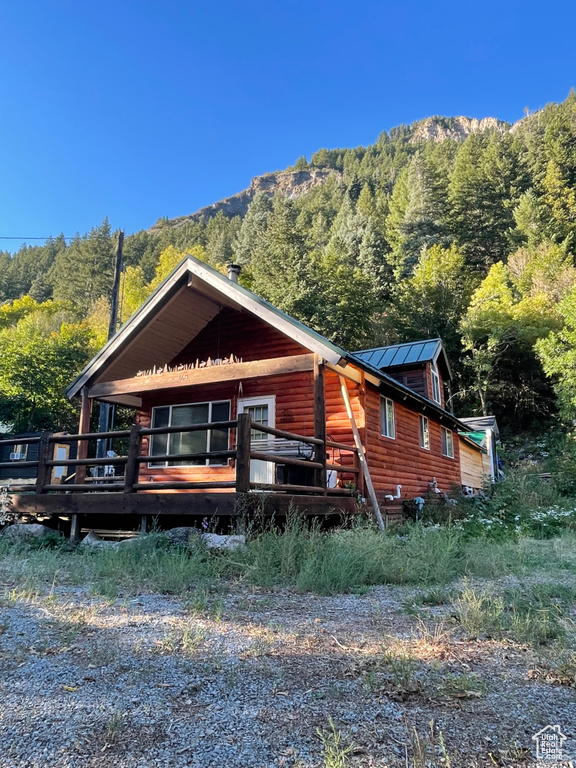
(401, 354)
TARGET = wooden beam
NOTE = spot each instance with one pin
(43, 472)
(83, 428)
(353, 374)
(74, 528)
(349, 372)
(363, 427)
(186, 504)
(275, 366)
(144, 503)
(243, 453)
(320, 420)
(361, 454)
(132, 468)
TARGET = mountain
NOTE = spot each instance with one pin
(290, 184)
(456, 128)
(295, 183)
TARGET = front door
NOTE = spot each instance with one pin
(262, 410)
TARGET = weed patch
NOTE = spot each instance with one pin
(528, 616)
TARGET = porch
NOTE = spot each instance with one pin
(115, 486)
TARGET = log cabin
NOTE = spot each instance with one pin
(233, 396)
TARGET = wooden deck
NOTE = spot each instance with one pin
(185, 504)
(128, 493)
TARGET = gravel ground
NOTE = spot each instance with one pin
(247, 678)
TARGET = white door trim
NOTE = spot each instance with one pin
(261, 469)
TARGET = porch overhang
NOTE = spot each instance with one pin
(130, 391)
(190, 297)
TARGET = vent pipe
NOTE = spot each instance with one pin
(234, 272)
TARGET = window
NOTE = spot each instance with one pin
(203, 441)
(447, 443)
(387, 424)
(436, 395)
(424, 433)
(20, 453)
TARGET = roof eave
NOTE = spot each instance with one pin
(407, 393)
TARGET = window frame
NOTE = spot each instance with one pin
(21, 448)
(387, 408)
(447, 444)
(436, 388)
(165, 464)
(424, 432)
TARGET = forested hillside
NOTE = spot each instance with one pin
(434, 230)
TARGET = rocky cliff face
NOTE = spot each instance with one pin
(439, 129)
(291, 184)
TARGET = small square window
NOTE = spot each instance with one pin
(447, 443)
(387, 422)
(424, 433)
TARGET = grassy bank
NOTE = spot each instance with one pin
(314, 560)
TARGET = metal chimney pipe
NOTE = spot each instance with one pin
(233, 272)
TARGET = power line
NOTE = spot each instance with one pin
(55, 237)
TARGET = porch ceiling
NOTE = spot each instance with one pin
(179, 321)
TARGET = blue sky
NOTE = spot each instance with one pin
(138, 109)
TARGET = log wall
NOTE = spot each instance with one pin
(391, 462)
(402, 460)
(294, 395)
(240, 334)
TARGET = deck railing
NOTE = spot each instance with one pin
(126, 477)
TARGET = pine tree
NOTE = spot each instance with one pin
(84, 270)
(484, 188)
(415, 221)
(253, 230)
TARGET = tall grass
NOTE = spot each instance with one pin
(307, 558)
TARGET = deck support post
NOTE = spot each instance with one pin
(83, 428)
(143, 525)
(320, 421)
(74, 528)
(243, 453)
(361, 454)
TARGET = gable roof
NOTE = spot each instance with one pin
(410, 353)
(481, 423)
(157, 322)
(200, 291)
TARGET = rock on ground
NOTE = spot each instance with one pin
(214, 541)
(27, 531)
(93, 540)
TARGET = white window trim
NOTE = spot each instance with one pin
(446, 443)
(386, 402)
(423, 429)
(164, 464)
(435, 377)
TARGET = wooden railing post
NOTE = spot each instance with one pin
(42, 476)
(243, 453)
(132, 466)
(83, 428)
(319, 421)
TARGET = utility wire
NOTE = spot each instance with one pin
(56, 237)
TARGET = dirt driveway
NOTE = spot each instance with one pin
(247, 678)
